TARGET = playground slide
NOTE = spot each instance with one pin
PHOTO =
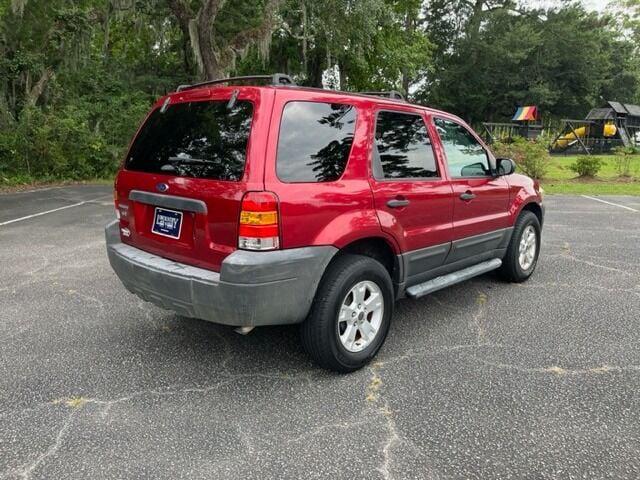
(570, 139)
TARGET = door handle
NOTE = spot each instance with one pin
(398, 202)
(468, 196)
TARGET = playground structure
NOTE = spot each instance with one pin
(525, 123)
(603, 129)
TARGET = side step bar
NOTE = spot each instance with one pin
(444, 281)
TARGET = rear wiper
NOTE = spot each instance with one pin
(188, 160)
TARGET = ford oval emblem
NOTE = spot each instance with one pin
(162, 187)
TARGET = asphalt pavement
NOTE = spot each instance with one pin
(483, 380)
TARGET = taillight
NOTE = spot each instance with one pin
(258, 229)
(115, 202)
(122, 207)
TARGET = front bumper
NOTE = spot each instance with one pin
(251, 289)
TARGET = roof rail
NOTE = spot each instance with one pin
(277, 79)
(392, 94)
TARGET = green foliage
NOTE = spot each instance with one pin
(623, 157)
(565, 60)
(587, 166)
(76, 79)
(77, 76)
(531, 157)
(70, 142)
(626, 151)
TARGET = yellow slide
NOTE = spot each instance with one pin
(569, 139)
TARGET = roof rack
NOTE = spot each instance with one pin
(392, 94)
(277, 79)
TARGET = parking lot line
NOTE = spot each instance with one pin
(42, 213)
(38, 190)
(610, 203)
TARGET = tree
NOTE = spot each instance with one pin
(77, 76)
(215, 34)
(370, 45)
(565, 60)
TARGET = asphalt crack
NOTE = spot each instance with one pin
(79, 403)
(479, 317)
(26, 471)
(561, 371)
(381, 406)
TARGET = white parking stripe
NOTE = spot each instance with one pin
(37, 190)
(40, 214)
(610, 203)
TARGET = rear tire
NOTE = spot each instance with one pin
(350, 315)
(521, 258)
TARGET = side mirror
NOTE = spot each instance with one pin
(505, 166)
(474, 170)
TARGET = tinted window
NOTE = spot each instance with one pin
(465, 156)
(315, 141)
(195, 139)
(403, 147)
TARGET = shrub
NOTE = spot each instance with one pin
(587, 166)
(81, 139)
(622, 160)
(531, 156)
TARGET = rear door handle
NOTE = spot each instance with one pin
(468, 196)
(398, 203)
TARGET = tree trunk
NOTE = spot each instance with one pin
(212, 61)
(208, 63)
(316, 67)
(37, 90)
(473, 30)
(342, 67)
(408, 30)
(476, 19)
(107, 32)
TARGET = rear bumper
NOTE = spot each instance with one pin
(251, 289)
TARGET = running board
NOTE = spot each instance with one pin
(444, 281)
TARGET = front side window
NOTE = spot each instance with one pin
(315, 141)
(194, 139)
(402, 147)
(465, 156)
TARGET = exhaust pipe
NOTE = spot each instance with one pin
(244, 330)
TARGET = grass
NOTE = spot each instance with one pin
(22, 182)
(560, 179)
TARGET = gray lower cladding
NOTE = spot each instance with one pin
(427, 263)
(251, 289)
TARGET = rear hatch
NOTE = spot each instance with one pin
(198, 152)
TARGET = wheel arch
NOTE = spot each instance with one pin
(534, 208)
(380, 249)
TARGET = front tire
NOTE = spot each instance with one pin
(521, 258)
(351, 314)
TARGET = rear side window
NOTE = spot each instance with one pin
(315, 141)
(403, 147)
(465, 156)
(195, 139)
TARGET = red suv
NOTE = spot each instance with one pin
(276, 204)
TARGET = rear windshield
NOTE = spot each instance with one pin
(195, 139)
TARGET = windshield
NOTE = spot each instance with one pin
(194, 139)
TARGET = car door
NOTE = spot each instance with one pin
(413, 199)
(480, 199)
